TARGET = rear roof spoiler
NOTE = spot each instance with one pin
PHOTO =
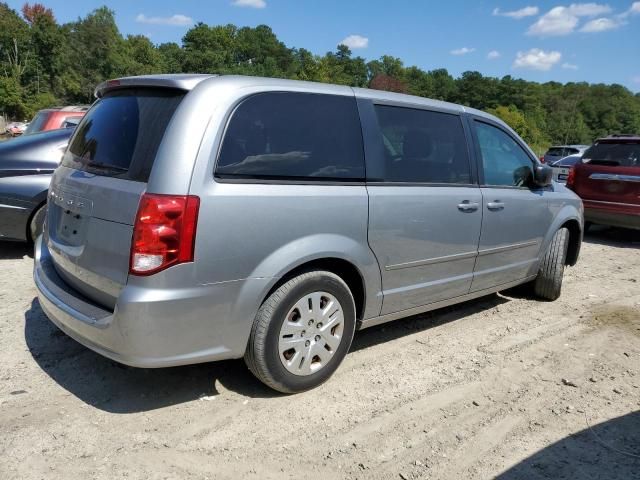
(179, 81)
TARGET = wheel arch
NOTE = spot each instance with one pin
(575, 241)
(568, 217)
(345, 269)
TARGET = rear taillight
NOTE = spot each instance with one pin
(164, 232)
(571, 178)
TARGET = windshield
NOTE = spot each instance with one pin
(613, 154)
(121, 133)
(37, 124)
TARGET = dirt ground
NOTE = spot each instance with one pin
(504, 386)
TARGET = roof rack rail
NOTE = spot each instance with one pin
(622, 135)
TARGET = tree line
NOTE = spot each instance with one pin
(44, 63)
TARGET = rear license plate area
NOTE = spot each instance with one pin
(71, 226)
(70, 215)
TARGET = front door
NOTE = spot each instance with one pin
(515, 215)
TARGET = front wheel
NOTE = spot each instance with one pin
(548, 283)
(302, 332)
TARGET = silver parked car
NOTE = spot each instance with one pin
(558, 152)
(198, 218)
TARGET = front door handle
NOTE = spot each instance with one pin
(467, 206)
(495, 206)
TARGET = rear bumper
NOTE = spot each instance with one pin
(149, 327)
(615, 215)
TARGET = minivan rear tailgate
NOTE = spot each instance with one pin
(90, 225)
(608, 184)
(95, 193)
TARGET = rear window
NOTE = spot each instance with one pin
(121, 133)
(613, 154)
(556, 152)
(293, 136)
(567, 161)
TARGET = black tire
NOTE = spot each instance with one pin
(548, 283)
(36, 223)
(262, 356)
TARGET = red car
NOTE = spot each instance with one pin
(54, 118)
(608, 181)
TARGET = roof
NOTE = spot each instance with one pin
(620, 138)
(188, 81)
(69, 108)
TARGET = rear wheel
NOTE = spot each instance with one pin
(37, 221)
(302, 332)
(548, 283)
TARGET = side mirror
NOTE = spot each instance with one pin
(542, 175)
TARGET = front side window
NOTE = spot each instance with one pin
(296, 136)
(423, 146)
(504, 162)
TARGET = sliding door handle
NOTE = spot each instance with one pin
(467, 206)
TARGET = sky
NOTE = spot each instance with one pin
(535, 40)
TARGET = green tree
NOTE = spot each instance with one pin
(96, 51)
(43, 63)
(172, 56)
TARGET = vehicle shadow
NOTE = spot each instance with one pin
(15, 250)
(608, 450)
(116, 388)
(406, 326)
(613, 237)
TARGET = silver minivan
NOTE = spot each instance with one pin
(197, 218)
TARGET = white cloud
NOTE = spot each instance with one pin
(588, 9)
(174, 20)
(355, 41)
(493, 54)
(536, 59)
(557, 21)
(600, 25)
(517, 14)
(634, 9)
(462, 51)
(249, 3)
(569, 66)
(564, 20)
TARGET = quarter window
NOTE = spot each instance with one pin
(303, 136)
(423, 146)
(505, 163)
